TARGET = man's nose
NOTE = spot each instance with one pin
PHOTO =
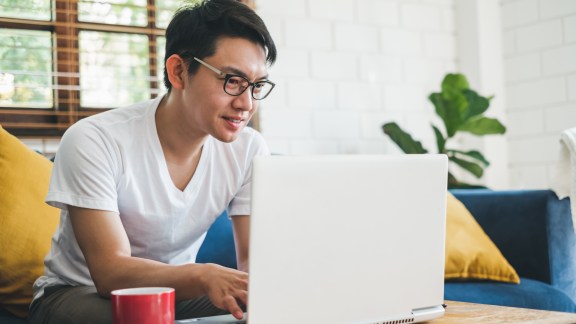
(245, 100)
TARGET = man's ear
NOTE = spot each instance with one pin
(176, 69)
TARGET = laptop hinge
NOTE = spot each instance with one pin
(427, 313)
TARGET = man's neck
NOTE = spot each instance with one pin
(178, 141)
(182, 150)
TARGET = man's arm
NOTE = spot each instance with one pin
(104, 243)
(241, 225)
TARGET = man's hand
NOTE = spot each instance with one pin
(226, 288)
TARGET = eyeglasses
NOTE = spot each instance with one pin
(235, 85)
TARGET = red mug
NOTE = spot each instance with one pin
(147, 305)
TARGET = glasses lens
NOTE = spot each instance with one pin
(235, 85)
(261, 89)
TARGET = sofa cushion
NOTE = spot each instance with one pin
(470, 253)
(528, 294)
(218, 246)
(26, 222)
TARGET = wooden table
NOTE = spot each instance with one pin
(459, 312)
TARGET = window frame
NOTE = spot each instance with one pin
(65, 29)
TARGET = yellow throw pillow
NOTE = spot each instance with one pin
(26, 221)
(470, 253)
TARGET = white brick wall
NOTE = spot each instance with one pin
(572, 88)
(559, 61)
(378, 12)
(523, 67)
(557, 8)
(307, 34)
(401, 42)
(292, 8)
(540, 77)
(559, 118)
(525, 123)
(570, 29)
(380, 69)
(332, 10)
(421, 16)
(518, 13)
(537, 92)
(539, 36)
(345, 67)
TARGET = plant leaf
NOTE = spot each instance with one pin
(451, 111)
(451, 104)
(476, 169)
(440, 140)
(454, 84)
(483, 126)
(464, 185)
(404, 140)
(473, 154)
(477, 104)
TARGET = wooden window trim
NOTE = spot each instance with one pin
(65, 27)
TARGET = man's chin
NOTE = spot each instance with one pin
(227, 138)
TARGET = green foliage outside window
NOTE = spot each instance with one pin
(26, 9)
(25, 68)
(114, 69)
(165, 10)
(118, 12)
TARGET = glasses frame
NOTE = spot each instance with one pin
(228, 76)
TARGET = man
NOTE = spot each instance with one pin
(139, 186)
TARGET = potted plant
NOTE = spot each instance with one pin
(461, 110)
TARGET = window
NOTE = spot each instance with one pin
(62, 60)
(26, 65)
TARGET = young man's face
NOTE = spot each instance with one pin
(209, 109)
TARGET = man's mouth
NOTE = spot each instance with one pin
(234, 120)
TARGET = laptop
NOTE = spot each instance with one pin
(346, 239)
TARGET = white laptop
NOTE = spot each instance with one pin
(346, 239)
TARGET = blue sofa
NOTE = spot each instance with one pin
(533, 229)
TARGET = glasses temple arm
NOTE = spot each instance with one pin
(210, 66)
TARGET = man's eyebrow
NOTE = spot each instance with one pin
(233, 70)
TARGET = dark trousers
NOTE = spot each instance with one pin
(74, 305)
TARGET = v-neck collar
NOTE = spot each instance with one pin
(192, 187)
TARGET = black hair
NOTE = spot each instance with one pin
(195, 29)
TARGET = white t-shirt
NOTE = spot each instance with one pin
(114, 161)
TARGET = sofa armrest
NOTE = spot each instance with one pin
(532, 228)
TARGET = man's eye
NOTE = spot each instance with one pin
(258, 87)
(234, 81)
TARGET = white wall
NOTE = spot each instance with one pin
(395, 53)
(345, 67)
(481, 60)
(540, 77)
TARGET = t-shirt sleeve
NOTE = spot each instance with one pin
(240, 205)
(85, 170)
